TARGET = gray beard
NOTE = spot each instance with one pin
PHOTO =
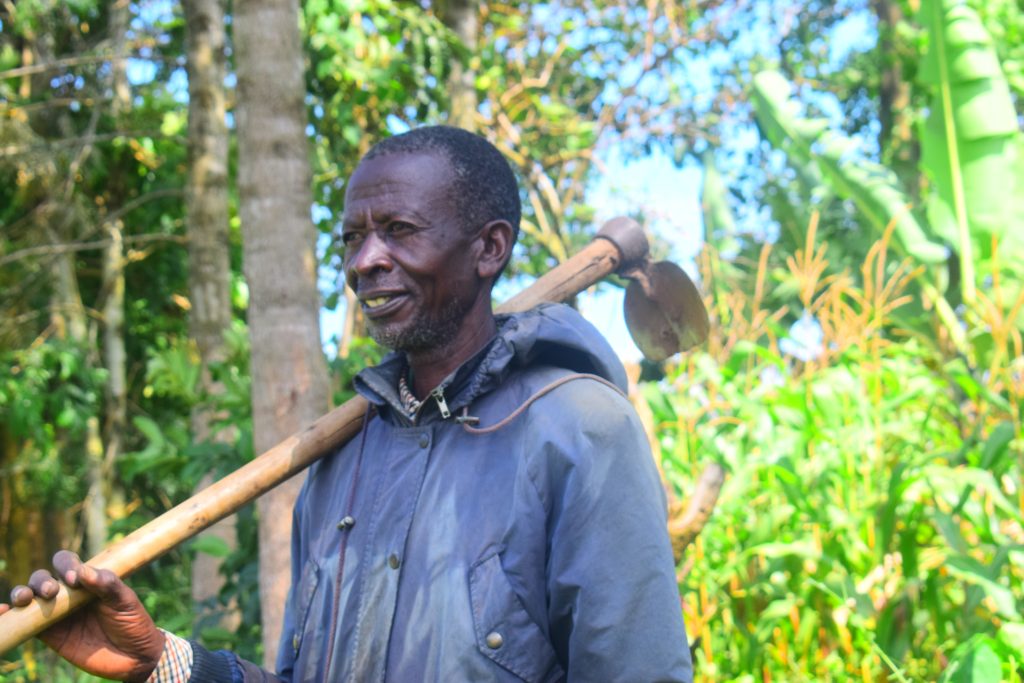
(422, 333)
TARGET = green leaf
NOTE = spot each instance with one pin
(8, 57)
(211, 545)
(973, 572)
(218, 634)
(997, 445)
(951, 482)
(1012, 635)
(777, 610)
(173, 124)
(803, 549)
(150, 429)
(874, 189)
(975, 661)
(971, 147)
(719, 222)
(67, 417)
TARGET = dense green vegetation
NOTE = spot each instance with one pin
(864, 242)
(870, 528)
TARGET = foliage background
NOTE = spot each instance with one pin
(861, 259)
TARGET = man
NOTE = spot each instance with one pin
(498, 519)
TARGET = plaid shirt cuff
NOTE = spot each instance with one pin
(175, 665)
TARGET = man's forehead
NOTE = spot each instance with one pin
(429, 168)
(415, 179)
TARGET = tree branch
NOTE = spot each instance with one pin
(684, 528)
(85, 140)
(54, 249)
(78, 61)
(86, 245)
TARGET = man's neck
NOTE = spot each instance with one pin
(429, 368)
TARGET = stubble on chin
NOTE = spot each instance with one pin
(423, 332)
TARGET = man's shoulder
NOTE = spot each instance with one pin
(575, 400)
(557, 385)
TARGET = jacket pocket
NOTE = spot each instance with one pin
(504, 631)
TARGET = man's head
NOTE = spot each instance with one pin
(430, 221)
(483, 187)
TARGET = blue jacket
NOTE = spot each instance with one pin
(526, 543)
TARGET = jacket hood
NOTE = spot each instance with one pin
(549, 334)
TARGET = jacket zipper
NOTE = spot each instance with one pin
(442, 405)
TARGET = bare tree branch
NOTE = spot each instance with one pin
(685, 527)
(130, 206)
(85, 140)
(53, 249)
(53, 102)
(80, 60)
(86, 245)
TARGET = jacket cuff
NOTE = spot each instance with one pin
(213, 667)
(175, 665)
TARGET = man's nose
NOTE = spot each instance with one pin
(370, 256)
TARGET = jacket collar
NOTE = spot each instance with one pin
(550, 334)
(379, 384)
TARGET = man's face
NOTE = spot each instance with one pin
(407, 257)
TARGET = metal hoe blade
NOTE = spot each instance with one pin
(664, 310)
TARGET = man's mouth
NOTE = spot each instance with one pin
(381, 304)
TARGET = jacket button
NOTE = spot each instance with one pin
(424, 441)
(295, 642)
(494, 640)
(393, 561)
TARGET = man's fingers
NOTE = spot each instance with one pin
(67, 565)
(105, 585)
(102, 583)
(21, 596)
(43, 584)
(4, 607)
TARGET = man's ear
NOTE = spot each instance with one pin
(496, 239)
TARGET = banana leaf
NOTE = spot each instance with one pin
(719, 222)
(971, 147)
(873, 188)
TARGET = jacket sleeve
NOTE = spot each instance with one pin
(614, 607)
(222, 666)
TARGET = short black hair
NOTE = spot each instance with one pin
(484, 188)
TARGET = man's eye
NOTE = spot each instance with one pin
(398, 227)
(349, 237)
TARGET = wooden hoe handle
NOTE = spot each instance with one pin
(599, 258)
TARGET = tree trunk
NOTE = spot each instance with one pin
(104, 448)
(115, 359)
(57, 221)
(353, 326)
(67, 315)
(23, 521)
(289, 374)
(896, 139)
(120, 14)
(350, 328)
(461, 16)
(206, 215)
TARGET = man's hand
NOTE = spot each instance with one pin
(113, 637)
